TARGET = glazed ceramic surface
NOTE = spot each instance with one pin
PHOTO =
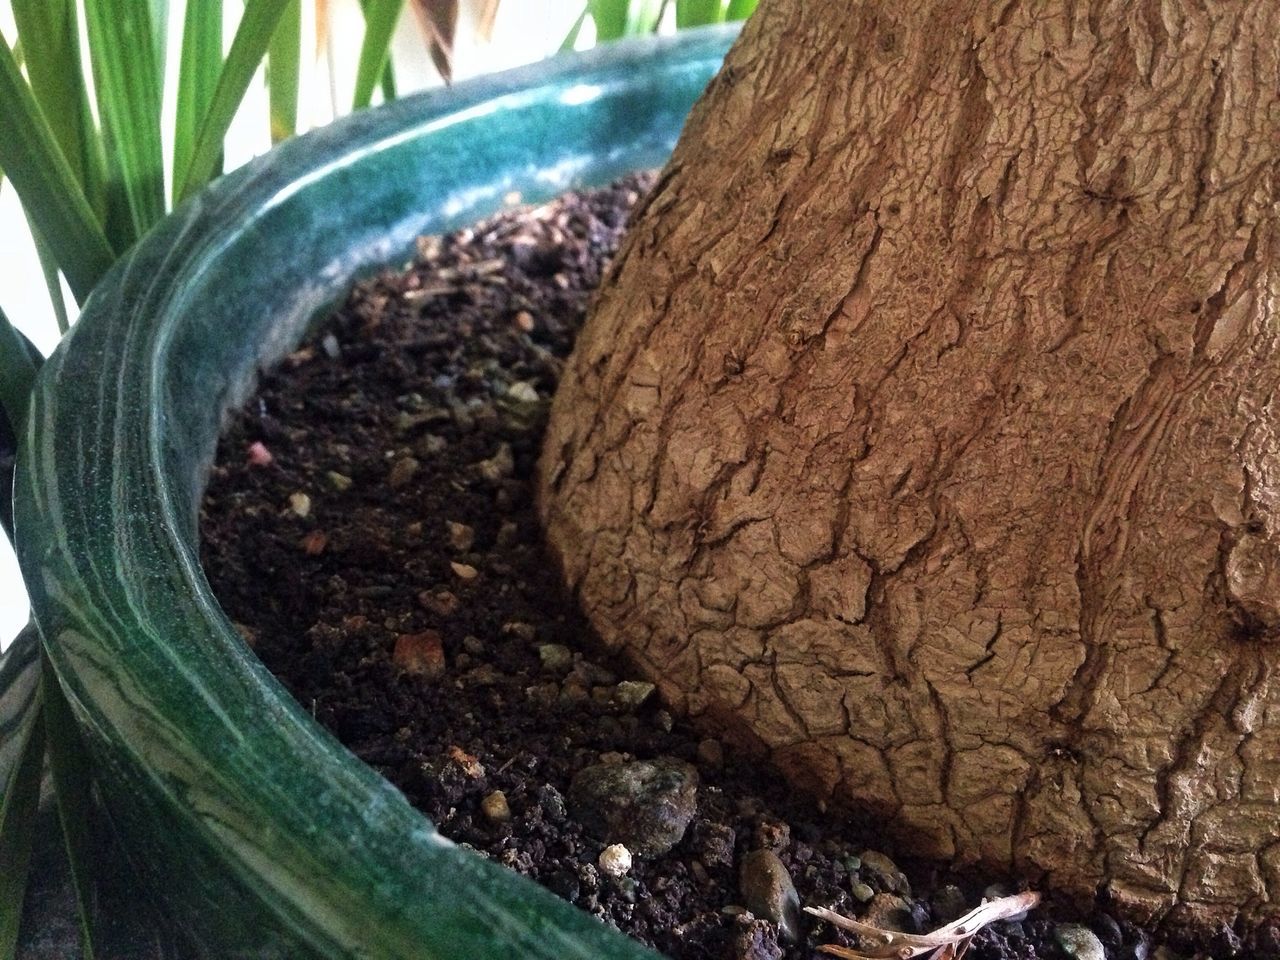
(259, 834)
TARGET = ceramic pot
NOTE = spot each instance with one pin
(257, 833)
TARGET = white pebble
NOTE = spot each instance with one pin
(615, 860)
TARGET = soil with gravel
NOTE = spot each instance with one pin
(369, 526)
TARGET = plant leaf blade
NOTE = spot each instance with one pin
(284, 57)
(21, 761)
(253, 36)
(69, 764)
(127, 80)
(380, 18)
(197, 79)
(32, 159)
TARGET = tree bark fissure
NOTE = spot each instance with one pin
(923, 434)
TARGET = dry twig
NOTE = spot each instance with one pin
(949, 942)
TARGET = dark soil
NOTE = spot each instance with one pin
(379, 549)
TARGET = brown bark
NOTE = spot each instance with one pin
(926, 429)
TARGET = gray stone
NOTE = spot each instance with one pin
(769, 893)
(645, 804)
(948, 903)
(1079, 942)
(880, 867)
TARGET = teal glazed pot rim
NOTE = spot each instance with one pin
(258, 834)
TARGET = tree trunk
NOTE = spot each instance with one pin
(925, 433)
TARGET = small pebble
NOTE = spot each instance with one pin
(615, 860)
(339, 481)
(949, 903)
(1079, 942)
(402, 471)
(886, 871)
(461, 537)
(555, 657)
(300, 504)
(259, 455)
(645, 804)
(524, 320)
(632, 693)
(495, 807)
(440, 602)
(769, 893)
(889, 912)
(329, 344)
(464, 571)
(313, 543)
(421, 654)
(523, 392)
(498, 467)
(861, 892)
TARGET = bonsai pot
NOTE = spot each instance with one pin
(255, 831)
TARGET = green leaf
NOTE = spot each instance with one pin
(19, 363)
(253, 36)
(615, 19)
(72, 778)
(380, 18)
(21, 762)
(52, 279)
(50, 33)
(387, 83)
(127, 78)
(197, 78)
(571, 38)
(698, 13)
(31, 159)
(740, 9)
(283, 58)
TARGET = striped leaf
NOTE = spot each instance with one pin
(69, 764)
(127, 78)
(380, 18)
(21, 759)
(283, 69)
(253, 36)
(197, 78)
(44, 180)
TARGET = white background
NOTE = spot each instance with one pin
(525, 30)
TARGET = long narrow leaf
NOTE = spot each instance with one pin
(740, 9)
(283, 68)
(32, 160)
(257, 25)
(571, 38)
(610, 18)
(21, 761)
(380, 18)
(19, 364)
(698, 13)
(387, 82)
(197, 78)
(50, 34)
(52, 279)
(127, 79)
(69, 763)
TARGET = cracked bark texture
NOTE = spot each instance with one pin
(925, 431)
